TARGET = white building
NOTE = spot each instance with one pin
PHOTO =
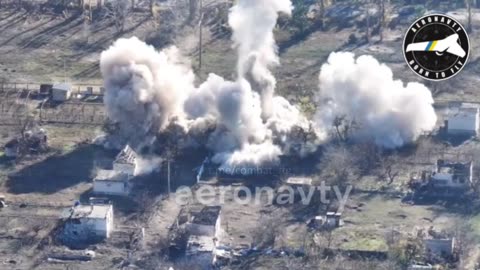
(452, 174)
(89, 222)
(111, 183)
(125, 161)
(61, 92)
(463, 118)
(299, 181)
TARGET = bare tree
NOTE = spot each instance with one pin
(338, 164)
(193, 10)
(391, 167)
(118, 11)
(151, 4)
(383, 17)
(267, 230)
(368, 30)
(469, 4)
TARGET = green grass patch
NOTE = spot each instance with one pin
(68, 148)
(364, 241)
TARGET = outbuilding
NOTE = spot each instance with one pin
(61, 92)
(463, 119)
(89, 222)
(110, 182)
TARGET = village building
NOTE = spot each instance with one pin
(125, 161)
(111, 182)
(12, 148)
(204, 228)
(88, 222)
(463, 119)
(440, 247)
(61, 92)
(299, 181)
(201, 249)
(330, 221)
(207, 222)
(420, 267)
(452, 174)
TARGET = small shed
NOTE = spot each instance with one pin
(463, 118)
(45, 89)
(12, 148)
(333, 220)
(440, 247)
(61, 92)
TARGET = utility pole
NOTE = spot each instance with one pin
(200, 41)
(64, 70)
(168, 174)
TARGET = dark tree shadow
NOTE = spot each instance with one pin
(56, 172)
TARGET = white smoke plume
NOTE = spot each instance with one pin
(145, 89)
(364, 91)
(252, 123)
(252, 22)
(246, 124)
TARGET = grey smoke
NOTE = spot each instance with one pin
(152, 96)
(145, 88)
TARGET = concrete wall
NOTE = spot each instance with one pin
(463, 123)
(86, 228)
(125, 168)
(60, 95)
(200, 229)
(440, 246)
(111, 187)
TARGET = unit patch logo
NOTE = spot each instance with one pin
(436, 47)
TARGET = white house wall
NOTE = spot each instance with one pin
(464, 123)
(110, 187)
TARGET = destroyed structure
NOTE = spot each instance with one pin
(207, 222)
(448, 174)
(204, 229)
(463, 119)
(125, 161)
(440, 247)
(31, 142)
(330, 221)
(88, 222)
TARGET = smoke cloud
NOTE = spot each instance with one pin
(383, 109)
(145, 89)
(149, 92)
(152, 97)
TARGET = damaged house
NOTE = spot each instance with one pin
(88, 222)
(125, 161)
(111, 182)
(448, 174)
(204, 232)
(207, 222)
